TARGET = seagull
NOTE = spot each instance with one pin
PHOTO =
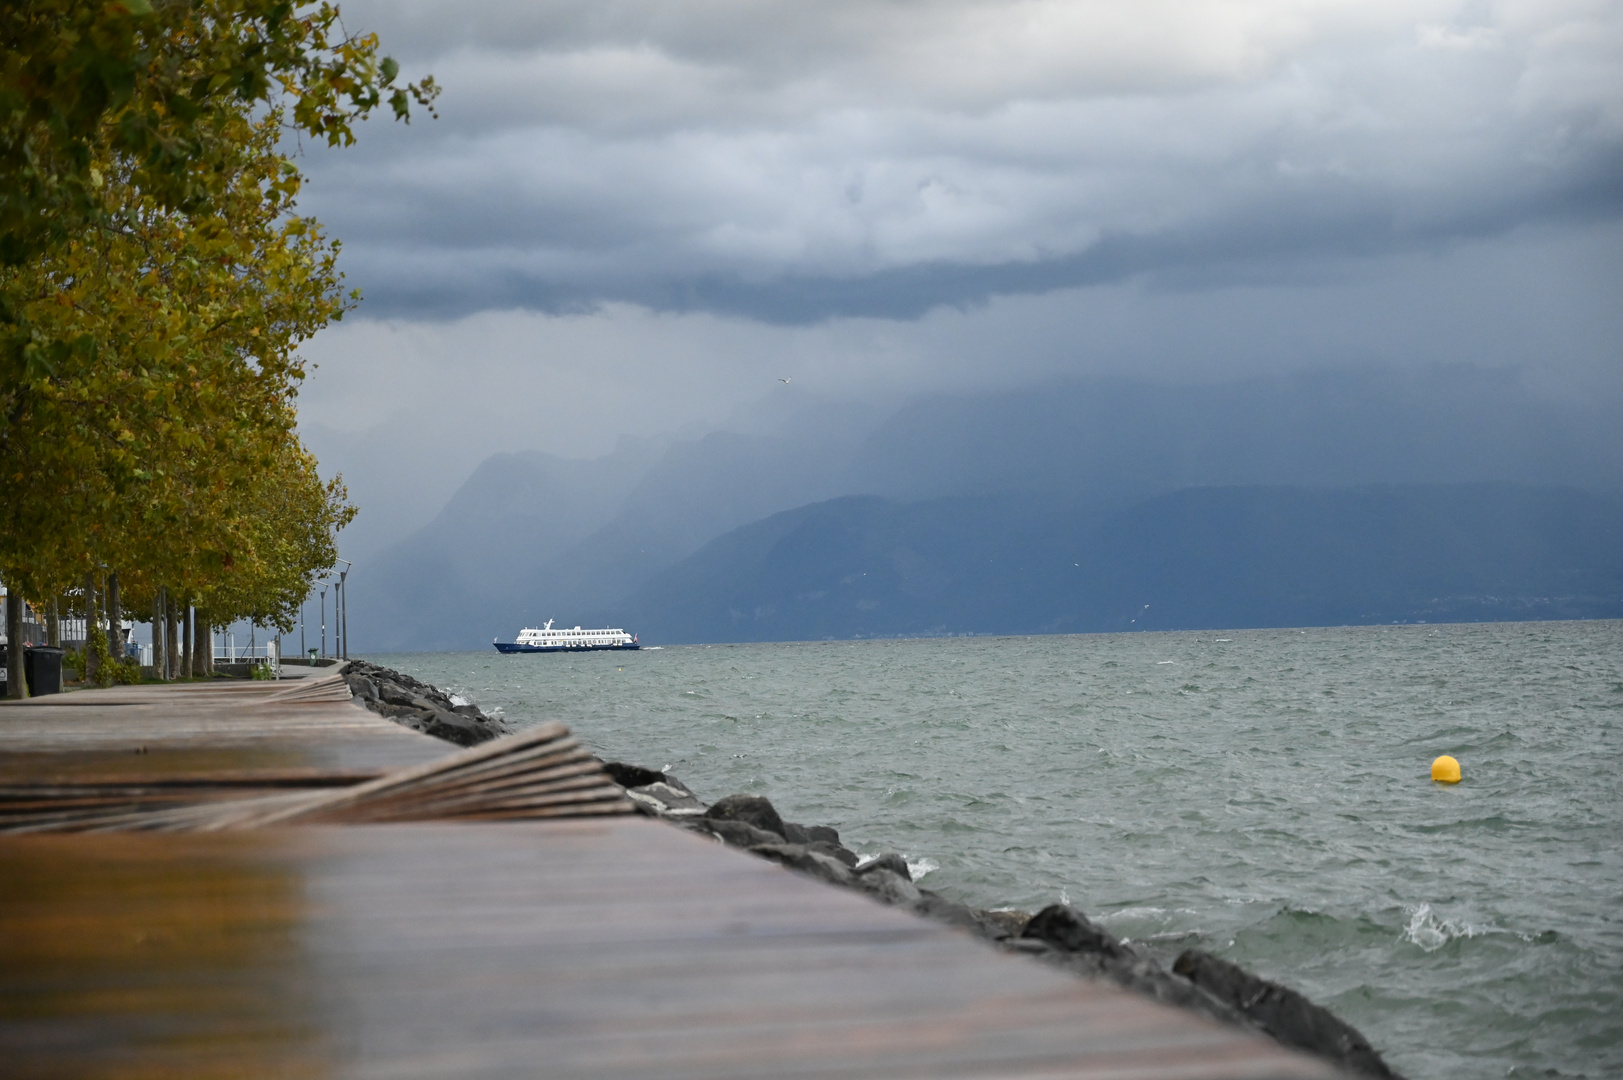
(785, 381)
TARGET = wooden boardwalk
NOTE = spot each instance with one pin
(154, 746)
(179, 729)
(609, 947)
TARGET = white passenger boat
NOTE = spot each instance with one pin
(546, 639)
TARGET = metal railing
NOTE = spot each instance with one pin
(232, 653)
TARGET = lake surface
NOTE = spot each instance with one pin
(1264, 795)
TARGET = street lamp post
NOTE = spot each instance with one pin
(341, 611)
(323, 618)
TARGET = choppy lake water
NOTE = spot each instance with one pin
(1264, 795)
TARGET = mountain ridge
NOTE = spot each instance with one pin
(531, 536)
(1198, 558)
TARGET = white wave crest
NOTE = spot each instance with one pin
(917, 868)
(1146, 912)
(1431, 931)
(917, 865)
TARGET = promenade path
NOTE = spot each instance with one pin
(612, 946)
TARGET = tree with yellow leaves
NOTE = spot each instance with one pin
(154, 284)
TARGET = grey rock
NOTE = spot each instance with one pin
(825, 833)
(751, 809)
(1080, 945)
(419, 706)
(401, 713)
(676, 785)
(394, 694)
(1028, 946)
(1002, 925)
(795, 834)
(667, 800)
(934, 906)
(888, 886)
(1142, 973)
(737, 833)
(834, 851)
(1070, 931)
(1282, 1012)
(645, 806)
(804, 859)
(454, 728)
(632, 776)
(888, 861)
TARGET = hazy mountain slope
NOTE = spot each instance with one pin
(531, 538)
(433, 589)
(697, 491)
(1336, 427)
(1197, 558)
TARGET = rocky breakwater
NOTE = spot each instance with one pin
(1058, 934)
(419, 706)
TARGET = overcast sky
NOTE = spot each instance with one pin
(637, 215)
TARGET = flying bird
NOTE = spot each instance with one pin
(783, 380)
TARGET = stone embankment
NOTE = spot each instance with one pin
(1058, 934)
(420, 706)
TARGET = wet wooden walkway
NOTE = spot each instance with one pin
(609, 948)
(154, 746)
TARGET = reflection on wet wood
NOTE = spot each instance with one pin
(122, 965)
(614, 947)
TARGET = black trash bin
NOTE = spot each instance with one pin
(42, 666)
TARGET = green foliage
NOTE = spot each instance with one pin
(126, 672)
(96, 645)
(262, 672)
(155, 283)
(158, 86)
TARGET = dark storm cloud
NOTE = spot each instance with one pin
(791, 162)
(1270, 246)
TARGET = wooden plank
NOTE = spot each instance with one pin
(606, 948)
(243, 730)
(71, 760)
(304, 730)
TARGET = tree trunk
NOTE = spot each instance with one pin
(200, 643)
(53, 626)
(16, 685)
(171, 615)
(186, 640)
(92, 626)
(159, 671)
(115, 618)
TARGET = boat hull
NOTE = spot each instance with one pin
(514, 647)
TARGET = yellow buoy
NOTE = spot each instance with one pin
(1446, 770)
